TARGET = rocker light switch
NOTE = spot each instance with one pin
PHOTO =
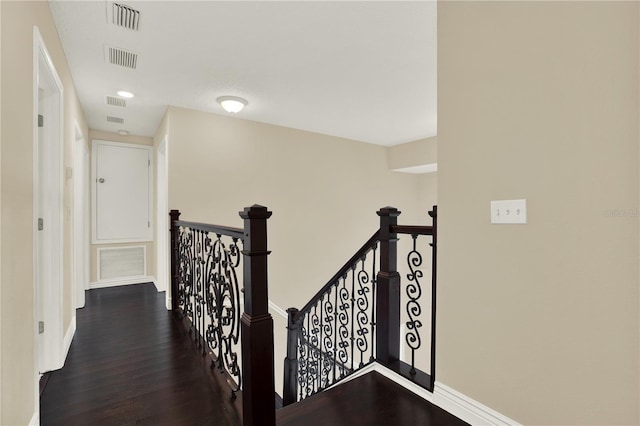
(509, 211)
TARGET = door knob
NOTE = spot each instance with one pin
(101, 180)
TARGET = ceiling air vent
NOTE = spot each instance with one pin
(118, 120)
(119, 102)
(124, 58)
(125, 16)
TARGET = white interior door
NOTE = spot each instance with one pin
(48, 205)
(122, 185)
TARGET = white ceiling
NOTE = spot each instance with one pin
(359, 70)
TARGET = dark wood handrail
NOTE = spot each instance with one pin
(216, 229)
(366, 247)
(411, 229)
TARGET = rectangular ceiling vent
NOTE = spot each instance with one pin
(118, 120)
(125, 16)
(121, 57)
(119, 102)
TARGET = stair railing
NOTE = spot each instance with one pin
(207, 283)
(355, 319)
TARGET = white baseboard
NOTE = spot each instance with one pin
(450, 400)
(68, 338)
(124, 281)
(405, 383)
(35, 419)
(468, 409)
(155, 283)
(278, 310)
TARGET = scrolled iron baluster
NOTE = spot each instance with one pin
(362, 317)
(185, 271)
(230, 310)
(327, 340)
(414, 292)
(223, 304)
(181, 271)
(313, 343)
(303, 368)
(352, 337)
(212, 333)
(342, 329)
(374, 274)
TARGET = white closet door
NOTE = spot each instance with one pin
(122, 192)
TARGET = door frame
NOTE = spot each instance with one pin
(162, 220)
(49, 350)
(81, 219)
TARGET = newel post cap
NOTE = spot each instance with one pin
(256, 212)
(388, 211)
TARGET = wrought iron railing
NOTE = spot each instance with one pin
(211, 266)
(332, 335)
(208, 292)
(359, 315)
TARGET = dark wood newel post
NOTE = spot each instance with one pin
(258, 391)
(290, 391)
(388, 292)
(175, 216)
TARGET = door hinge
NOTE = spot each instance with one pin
(40, 224)
(40, 327)
(40, 120)
(148, 224)
(149, 163)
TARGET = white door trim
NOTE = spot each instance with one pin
(49, 351)
(81, 260)
(162, 221)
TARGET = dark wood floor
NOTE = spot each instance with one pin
(132, 363)
(371, 400)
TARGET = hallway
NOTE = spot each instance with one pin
(131, 363)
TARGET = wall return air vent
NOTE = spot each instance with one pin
(125, 16)
(121, 262)
(121, 57)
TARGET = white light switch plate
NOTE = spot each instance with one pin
(509, 211)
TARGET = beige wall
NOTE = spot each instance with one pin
(322, 191)
(427, 193)
(539, 100)
(416, 153)
(18, 368)
(150, 246)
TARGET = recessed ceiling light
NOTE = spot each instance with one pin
(125, 94)
(232, 104)
(123, 132)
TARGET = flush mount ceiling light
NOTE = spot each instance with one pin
(125, 94)
(232, 104)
